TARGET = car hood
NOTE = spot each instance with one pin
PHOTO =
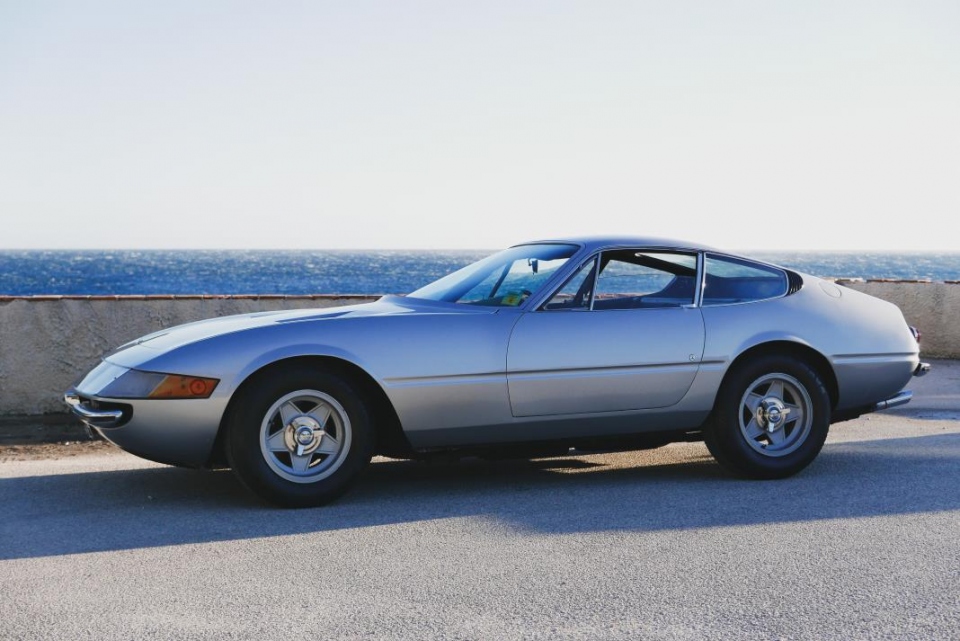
(132, 353)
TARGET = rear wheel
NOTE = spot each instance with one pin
(771, 418)
(300, 437)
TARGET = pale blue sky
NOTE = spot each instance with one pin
(746, 125)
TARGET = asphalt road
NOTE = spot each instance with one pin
(864, 544)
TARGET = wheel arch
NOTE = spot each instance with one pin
(805, 353)
(390, 439)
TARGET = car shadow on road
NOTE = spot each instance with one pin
(679, 488)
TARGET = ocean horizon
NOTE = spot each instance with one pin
(369, 272)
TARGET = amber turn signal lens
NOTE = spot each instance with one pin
(173, 386)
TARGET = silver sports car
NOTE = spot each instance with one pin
(546, 348)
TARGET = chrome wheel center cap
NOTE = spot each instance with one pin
(303, 435)
(771, 414)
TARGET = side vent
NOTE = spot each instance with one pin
(795, 281)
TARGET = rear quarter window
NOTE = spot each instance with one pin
(735, 280)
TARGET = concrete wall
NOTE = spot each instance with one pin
(933, 308)
(47, 342)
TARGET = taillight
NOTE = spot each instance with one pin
(916, 334)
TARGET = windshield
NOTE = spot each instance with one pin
(505, 279)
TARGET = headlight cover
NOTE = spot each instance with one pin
(155, 385)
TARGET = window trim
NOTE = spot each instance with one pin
(597, 260)
(701, 280)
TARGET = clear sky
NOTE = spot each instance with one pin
(353, 124)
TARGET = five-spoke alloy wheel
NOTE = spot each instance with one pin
(305, 436)
(776, 414)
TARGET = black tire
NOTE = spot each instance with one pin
(321, 409)
(762, 431)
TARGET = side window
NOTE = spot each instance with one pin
(629, 279)
(632, 279)
(577, 292)
(734, 280)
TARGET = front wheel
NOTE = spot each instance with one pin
(300, 437)
(771, 418)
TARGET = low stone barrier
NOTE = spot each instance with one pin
(46, 342)
(933, 308)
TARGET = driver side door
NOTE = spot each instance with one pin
(622, 334)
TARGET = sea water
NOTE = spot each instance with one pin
(26, 273)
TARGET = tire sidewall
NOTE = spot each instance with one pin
(246, 417)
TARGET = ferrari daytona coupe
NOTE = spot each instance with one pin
(546, 348)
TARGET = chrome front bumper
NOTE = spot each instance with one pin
(91, 416)
(175, 432)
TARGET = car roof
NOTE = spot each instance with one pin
(592, 243)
